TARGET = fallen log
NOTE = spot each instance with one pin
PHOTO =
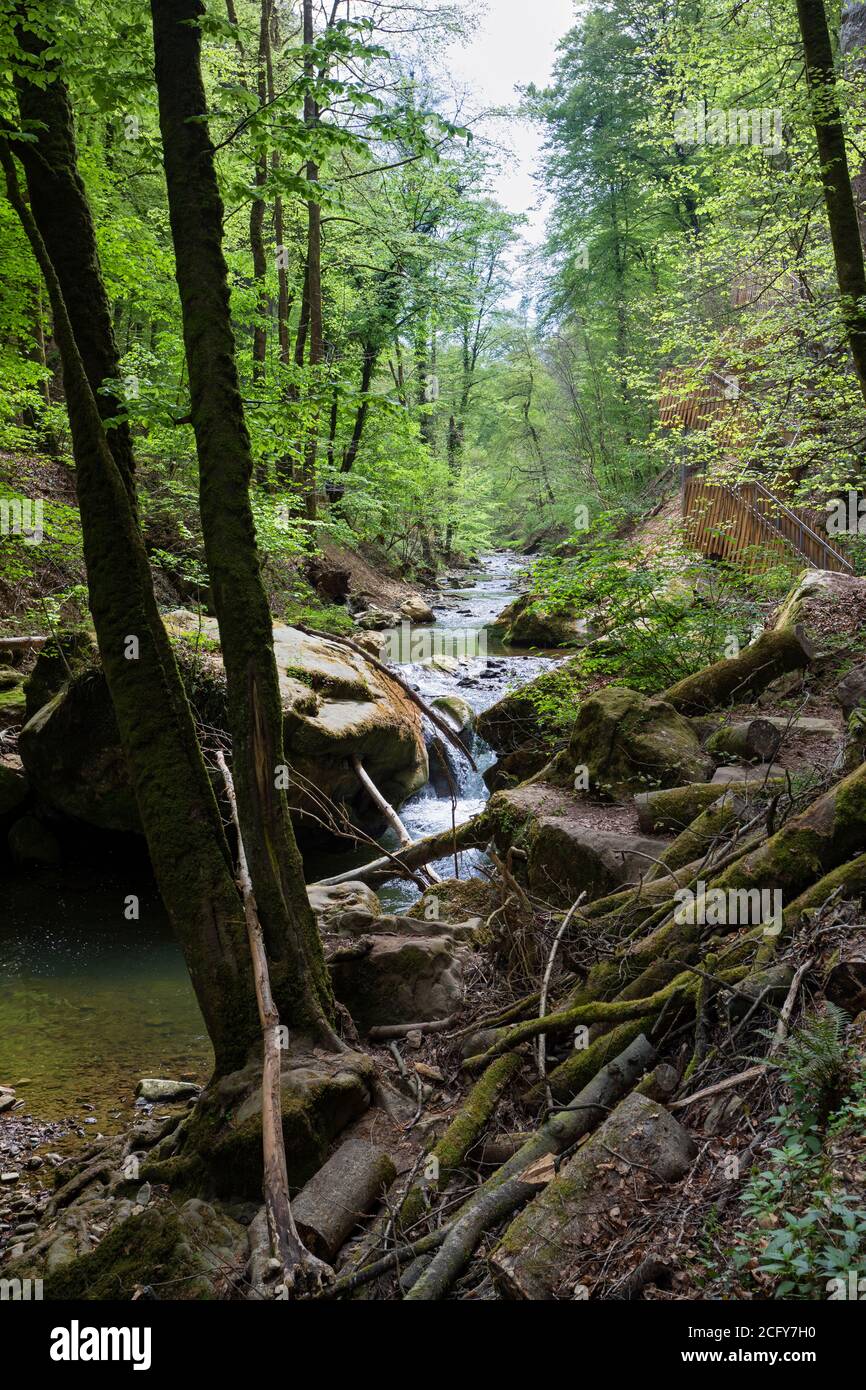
(535, 1259)
(674, 808)
(753, 740)
(340, 1195)
(507, 1188)
(21, 644)
(439, 846)
(735, 679)
(387, 809)
(465, 1130)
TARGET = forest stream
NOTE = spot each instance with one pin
(68, 956)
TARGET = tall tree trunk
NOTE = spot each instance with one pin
(313, 286)
(368, 366)
(61, 211)
(852, 46)
(225, 466)
(841, 212)
(257, 212)
(180, 817)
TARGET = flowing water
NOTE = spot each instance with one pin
(90, 1001)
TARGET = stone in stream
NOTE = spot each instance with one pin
(589, 1203)
(155, 1088)
(416, 610)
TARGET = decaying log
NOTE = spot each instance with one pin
(21, 644)
(298, 1267)
(735, 679)
(753, 740)
(340, 1194)
(535, 1259)
(507, 1189)
(674, 808)
(465, 1130)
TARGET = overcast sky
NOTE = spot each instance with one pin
(515, 43)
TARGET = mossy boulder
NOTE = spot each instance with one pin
(538, 713)
(459, 713)
(529, 622)
(566, 858)
(629, 743)
(71, 752)
(335, 704)
(186, 1249)
(514, 768)
(13, 705)
(222, 1146)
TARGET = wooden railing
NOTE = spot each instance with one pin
(746, 523)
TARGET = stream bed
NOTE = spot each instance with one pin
(90, 1002)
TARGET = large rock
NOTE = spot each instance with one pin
(527, 622)
(629, 743)
(400, 980)
(332, 901)
(851, 690)
(71, 751)
(335, 704)
(519, 719)
(589, 1202)
(566, 859)
(320, 1095)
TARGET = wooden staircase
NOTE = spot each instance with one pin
(746, 523)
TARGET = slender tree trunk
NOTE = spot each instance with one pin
(839, 199)
(296, 960)
(257, 213)
(313, 285)
(61, 211)
(180, 817)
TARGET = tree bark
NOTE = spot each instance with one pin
(836, 179)
(735, 679)
(62, 214)
(295, 957)
(179, 814)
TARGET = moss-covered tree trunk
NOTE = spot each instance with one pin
(179, 814)
(296, 960)
(62, 214)
(835, 177)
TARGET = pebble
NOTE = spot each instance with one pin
(9, 1177)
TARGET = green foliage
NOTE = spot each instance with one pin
(817, 1227)
(658, 619)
